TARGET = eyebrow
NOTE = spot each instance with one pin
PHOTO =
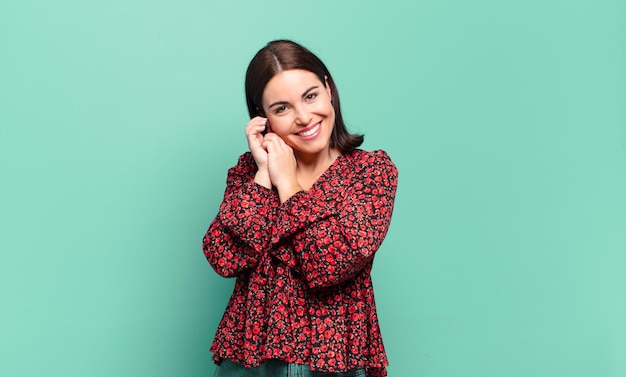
(303, 95)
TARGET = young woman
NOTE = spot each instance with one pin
(303, 214)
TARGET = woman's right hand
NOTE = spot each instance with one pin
(254, 134)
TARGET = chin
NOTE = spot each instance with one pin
(312, 151)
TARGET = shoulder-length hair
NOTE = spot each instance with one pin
(282, 55)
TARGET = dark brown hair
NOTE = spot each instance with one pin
(281, 55)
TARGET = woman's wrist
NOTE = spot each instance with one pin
(262, 177)
(287, 191)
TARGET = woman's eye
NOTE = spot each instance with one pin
(311, 96)
(280, 109)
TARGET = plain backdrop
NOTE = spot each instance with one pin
(506, 119)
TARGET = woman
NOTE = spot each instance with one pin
(303, 214)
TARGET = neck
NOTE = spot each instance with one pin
(320, 161)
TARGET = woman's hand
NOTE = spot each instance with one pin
(254, 129)
(254, 135)
(281, 164)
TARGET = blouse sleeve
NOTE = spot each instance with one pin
(329, 238)
(238, 233)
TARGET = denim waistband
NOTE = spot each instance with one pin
(278, 368)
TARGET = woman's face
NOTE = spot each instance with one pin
(299, 109)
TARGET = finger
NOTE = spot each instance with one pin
(257, 120)
(254, 131)
(272, 144)
(278, 145)
(274, 138)
(256, 125)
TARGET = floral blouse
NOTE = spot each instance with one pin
(303, 292)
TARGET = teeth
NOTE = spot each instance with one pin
(310, 132)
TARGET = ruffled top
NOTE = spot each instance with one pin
(303, 292)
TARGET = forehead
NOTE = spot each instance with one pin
(289, 83)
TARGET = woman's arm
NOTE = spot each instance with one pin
(239, 231)
(330, 236)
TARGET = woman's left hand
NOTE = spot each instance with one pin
(281, 164)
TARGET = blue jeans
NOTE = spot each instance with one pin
(278, 368)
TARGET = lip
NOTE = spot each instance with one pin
(308, 128)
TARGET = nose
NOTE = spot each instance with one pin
(302, 116)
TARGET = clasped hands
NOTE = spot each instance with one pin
(275, 159)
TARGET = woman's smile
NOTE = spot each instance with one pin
(311, 132)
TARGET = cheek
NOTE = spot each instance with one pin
(331, 109)
(279, 125)
(331, 112)
(324, 107)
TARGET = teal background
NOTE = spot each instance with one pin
(506, 119)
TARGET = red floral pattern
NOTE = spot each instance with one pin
(303, 292)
